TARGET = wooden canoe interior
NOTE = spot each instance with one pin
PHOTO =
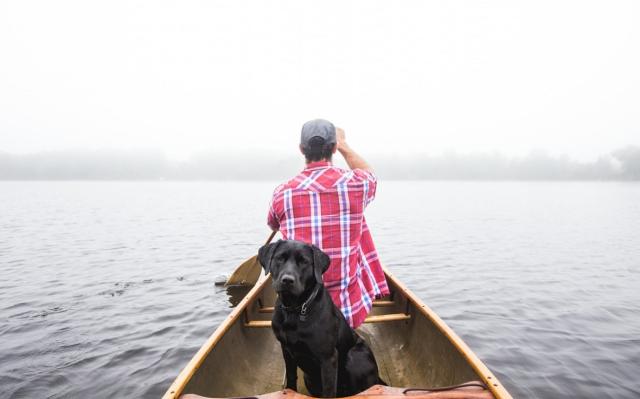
(410, 349)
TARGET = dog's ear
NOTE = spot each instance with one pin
(265, 255)
(321, 263)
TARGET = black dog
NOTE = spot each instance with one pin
(312, 331)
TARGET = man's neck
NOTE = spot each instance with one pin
(316, 164)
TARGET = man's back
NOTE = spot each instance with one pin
(324, 205)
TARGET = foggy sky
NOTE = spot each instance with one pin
(403, 78)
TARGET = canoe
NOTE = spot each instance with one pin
(414, 348)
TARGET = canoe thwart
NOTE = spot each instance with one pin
(370, 319)
(376, 304)
(258, 324)
(387, 317)
(382, 303)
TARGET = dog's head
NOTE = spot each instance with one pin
(294, 265)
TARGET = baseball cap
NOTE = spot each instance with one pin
(318, 128)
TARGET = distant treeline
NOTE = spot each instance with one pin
(621, 164)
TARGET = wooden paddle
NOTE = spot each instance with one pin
(249, 271)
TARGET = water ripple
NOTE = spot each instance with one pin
(108, 287)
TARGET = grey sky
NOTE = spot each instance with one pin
(401, 77)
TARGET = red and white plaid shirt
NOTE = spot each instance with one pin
(324, 206)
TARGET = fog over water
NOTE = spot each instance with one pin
(620, 164)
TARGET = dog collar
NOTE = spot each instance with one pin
(305, 305)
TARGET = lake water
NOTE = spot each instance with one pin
(107, 288)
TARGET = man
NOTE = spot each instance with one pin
(323, 206)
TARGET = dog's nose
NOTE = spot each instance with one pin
(287, 279)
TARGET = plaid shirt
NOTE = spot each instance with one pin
(324, 206)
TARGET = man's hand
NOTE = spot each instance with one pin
(341, 140)
(354, 160)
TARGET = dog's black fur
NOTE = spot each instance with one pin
(312, 331)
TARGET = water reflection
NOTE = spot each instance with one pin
(235, 293)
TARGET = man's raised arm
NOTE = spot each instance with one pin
(352, 158)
